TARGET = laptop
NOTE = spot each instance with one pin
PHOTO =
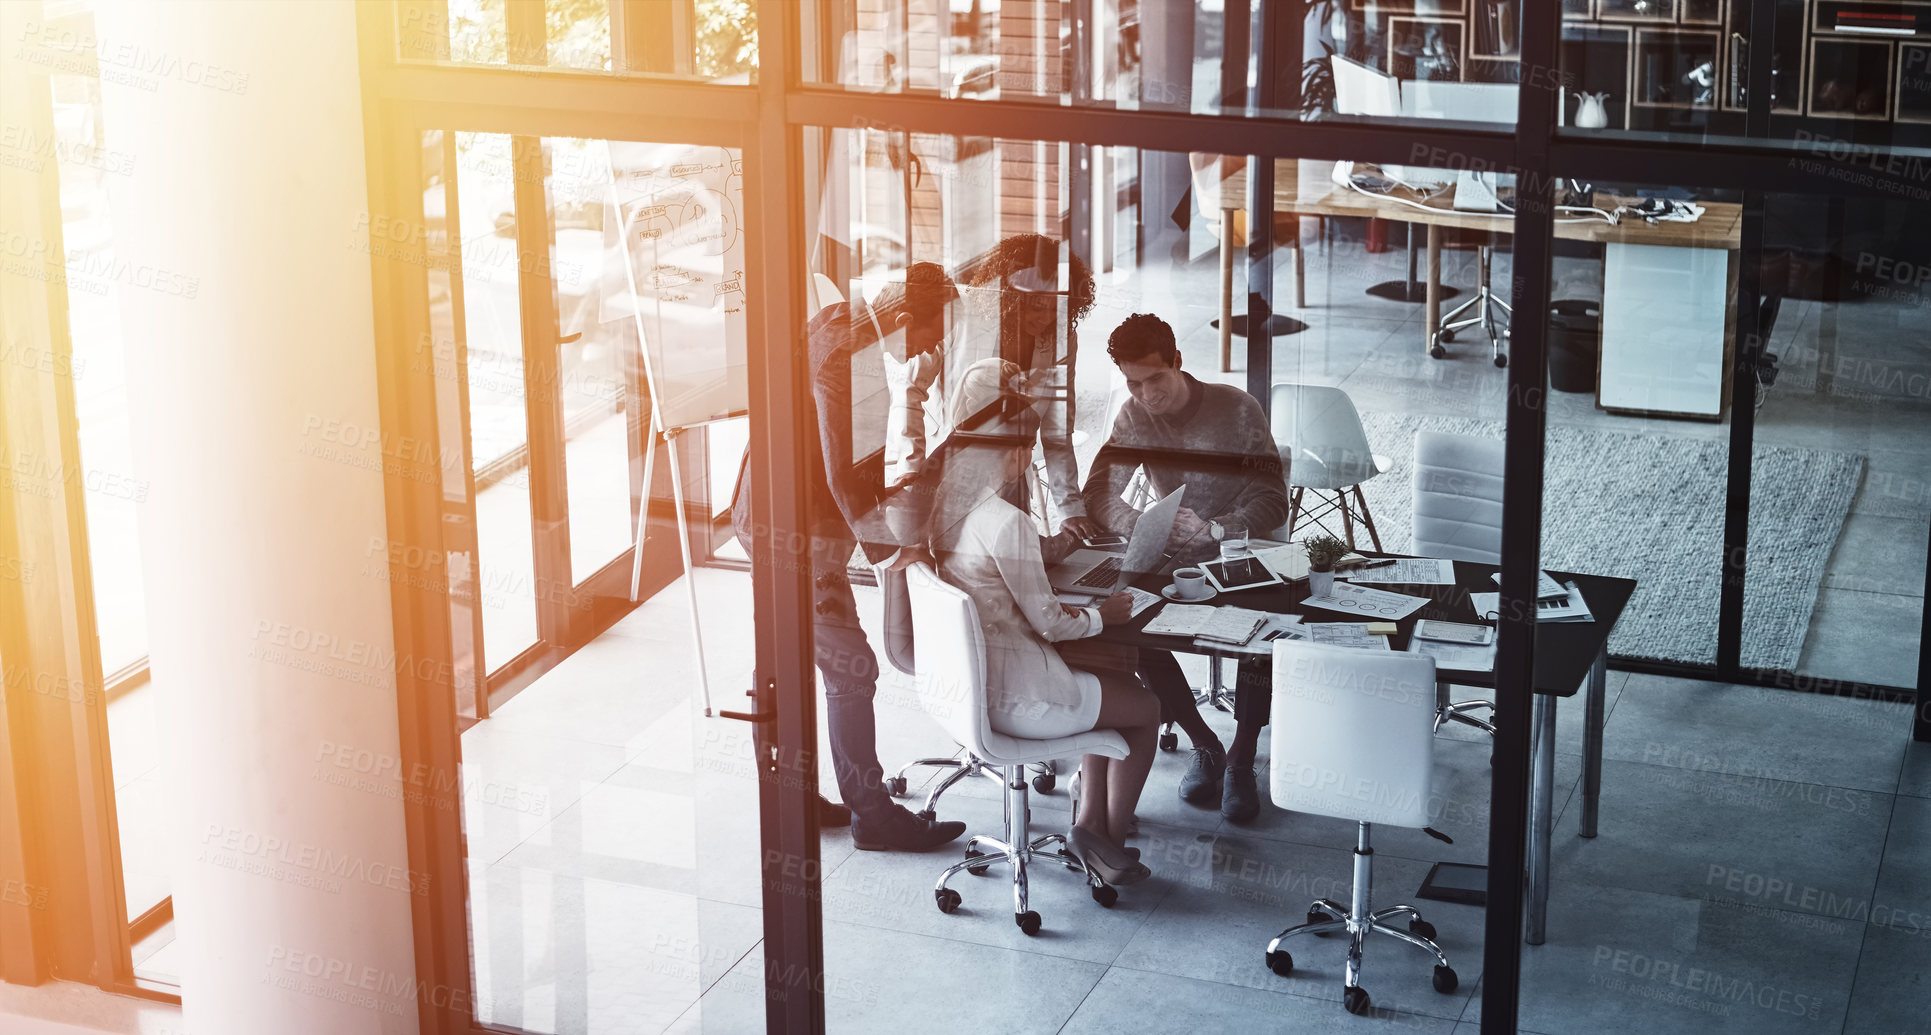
(1097, 573)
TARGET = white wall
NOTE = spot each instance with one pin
(246, 302)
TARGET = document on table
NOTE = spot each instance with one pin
(1277, 627)
(1141, 599)
(1231, 626)
(1463, 656)
(1344, 634)
(1181, 620)
(1570, 607)
(1413, 571)
(1378, 604)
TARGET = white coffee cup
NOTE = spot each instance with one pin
(1191, 584)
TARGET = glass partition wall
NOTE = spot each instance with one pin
(1457, 216)
(1329, 259)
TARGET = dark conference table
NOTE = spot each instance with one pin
(1569, 657)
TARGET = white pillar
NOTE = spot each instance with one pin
(244, 286)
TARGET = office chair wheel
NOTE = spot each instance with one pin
(948, 900)
(1355, 1000)
(1280, 963)
(1437, 351)
(1028, 921)
(895, 786)
(1044, 783)
(1502, 360)
(1106, 894)
(1445, 980)
(1315, 916)
(1169, 741)
(976, 871)
(1421, 929)
(1445, 335)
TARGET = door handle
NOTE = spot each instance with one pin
(756, 715)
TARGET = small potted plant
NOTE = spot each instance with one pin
(1322, 553)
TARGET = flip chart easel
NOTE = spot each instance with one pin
(710, 201)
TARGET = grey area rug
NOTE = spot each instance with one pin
(1651, 508)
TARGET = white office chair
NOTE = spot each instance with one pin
(1325, 452)
(1458, 515)
(900, 652)
(1485, 302)
(1354, 739)
(952, 689)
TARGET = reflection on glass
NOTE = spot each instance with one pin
(498, 427)
(1842, 435)
(610, 826)
(1169, 55)
(710, 40)
(598, 351)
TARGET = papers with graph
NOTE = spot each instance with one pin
(1379, 605)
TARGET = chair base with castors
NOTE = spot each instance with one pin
(1359, 919)
(1447, 711)
(1214, 695)
(1018, 849)
(1485, 303)
(1045, 778)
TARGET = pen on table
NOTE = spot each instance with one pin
(1382, 563)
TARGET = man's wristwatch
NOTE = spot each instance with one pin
(1214, 529)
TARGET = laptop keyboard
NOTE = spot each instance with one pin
(1103, 576)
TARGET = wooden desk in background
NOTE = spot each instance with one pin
(1652, 332)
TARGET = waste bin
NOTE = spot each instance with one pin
(1575, 340)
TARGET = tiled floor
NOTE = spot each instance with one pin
(1759, 869)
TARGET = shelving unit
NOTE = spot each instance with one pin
(1405, 33)
(1665, 59)
(1912, 99)
(1850, 78)
(1788, 61)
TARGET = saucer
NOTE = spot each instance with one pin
(1167, 591)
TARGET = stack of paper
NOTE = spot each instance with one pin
(1546, 586)
(1465, 657)
(1277, 627)
(1569, 607)
(1344, 634)
(1181, 620)
(1231, 626)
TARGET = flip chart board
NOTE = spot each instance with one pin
(680, 209)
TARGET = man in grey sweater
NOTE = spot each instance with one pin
(1215, 440)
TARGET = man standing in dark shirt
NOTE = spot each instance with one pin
(1215, 440)
(850, 506)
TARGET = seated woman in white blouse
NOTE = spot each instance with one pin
(990, 549)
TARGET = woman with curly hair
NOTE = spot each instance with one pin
(1037, 295)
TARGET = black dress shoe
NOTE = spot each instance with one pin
(900, 831)
(832, 814)
(1240, 799)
